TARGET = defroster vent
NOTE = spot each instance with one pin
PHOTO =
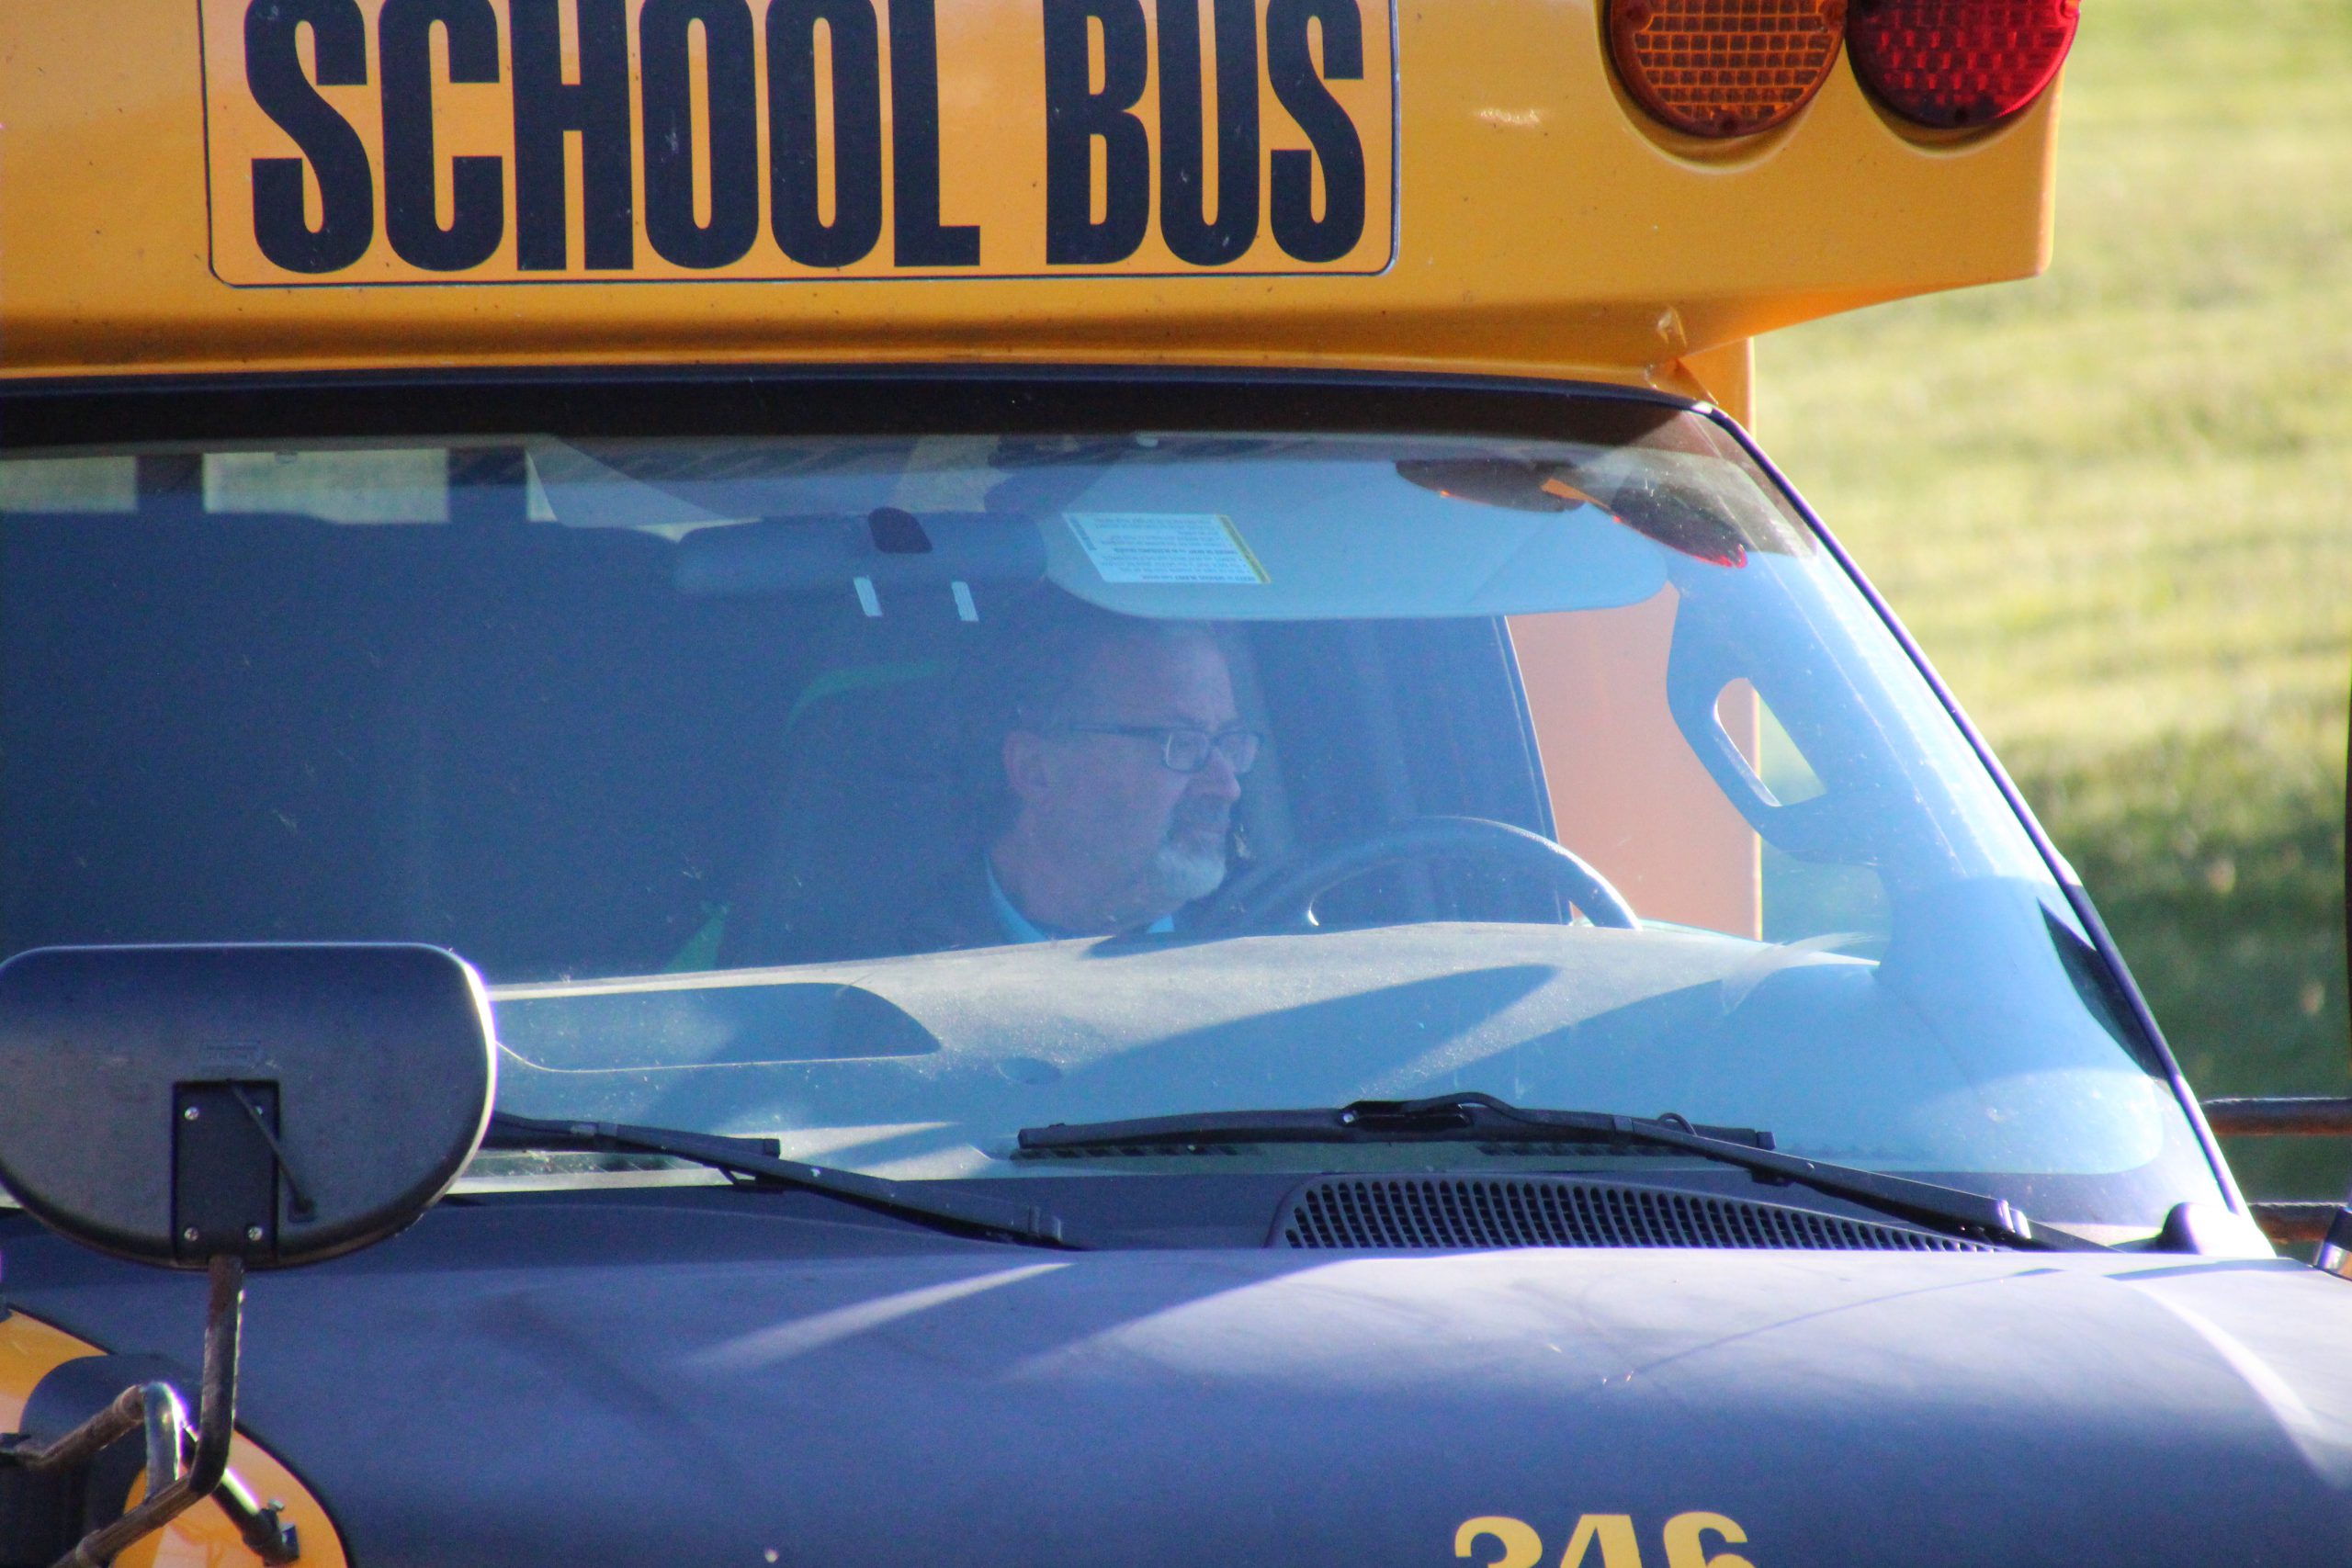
(1540, 1211)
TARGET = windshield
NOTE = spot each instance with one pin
(884, 796)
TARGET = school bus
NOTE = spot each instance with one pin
(1047, 781)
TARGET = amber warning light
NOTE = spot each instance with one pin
(1724, 67)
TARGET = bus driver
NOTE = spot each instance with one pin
(1121, 765)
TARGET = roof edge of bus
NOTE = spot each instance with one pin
(1670, 374)
(47, 411)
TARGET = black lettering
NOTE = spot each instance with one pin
(478, 189)
(1290, 65)
(917, 237)
(1184, 195)
(346, 187)
(1077, 118)
(731, 88)
(547, 108)
(792, 130)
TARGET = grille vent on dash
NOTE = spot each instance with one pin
(1486, 1212)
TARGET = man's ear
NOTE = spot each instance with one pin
(1028, 769)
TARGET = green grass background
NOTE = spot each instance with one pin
(2115, 505)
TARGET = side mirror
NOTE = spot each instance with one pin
(226, 1108)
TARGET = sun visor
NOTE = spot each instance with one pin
(1214, 533)
(1274, 541)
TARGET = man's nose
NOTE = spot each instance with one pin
(1216, 778)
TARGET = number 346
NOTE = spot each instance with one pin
(1685, 1541)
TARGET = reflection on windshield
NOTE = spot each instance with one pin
(887, 796)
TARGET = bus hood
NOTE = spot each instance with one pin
(993, 1405)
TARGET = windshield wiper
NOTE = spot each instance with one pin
(957, 1213)
(1482, 1118)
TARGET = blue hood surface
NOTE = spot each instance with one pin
(968, 1404)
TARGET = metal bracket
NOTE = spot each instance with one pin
(182, 1469)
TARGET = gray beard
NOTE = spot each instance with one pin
(1182, 875)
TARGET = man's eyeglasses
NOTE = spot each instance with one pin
(1186, 750)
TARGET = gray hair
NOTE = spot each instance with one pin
(1046, 671)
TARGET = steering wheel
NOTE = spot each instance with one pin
(1283, 893)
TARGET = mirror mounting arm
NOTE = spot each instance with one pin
(175, 1479)
(154, 1406)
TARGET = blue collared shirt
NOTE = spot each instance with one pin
(1019, 927)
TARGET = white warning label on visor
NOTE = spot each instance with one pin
(1165, 546)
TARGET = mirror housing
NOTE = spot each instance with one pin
(279, 1104)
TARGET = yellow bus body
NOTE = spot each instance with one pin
(1521, 215)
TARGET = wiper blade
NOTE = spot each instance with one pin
(958, 1214)
(1483, 1118)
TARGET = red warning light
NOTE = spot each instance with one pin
(1724, 67)
(1952, 64)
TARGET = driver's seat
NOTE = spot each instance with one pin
(874, 812)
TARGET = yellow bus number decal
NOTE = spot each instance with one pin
(1600, 1540)
(374, 142)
